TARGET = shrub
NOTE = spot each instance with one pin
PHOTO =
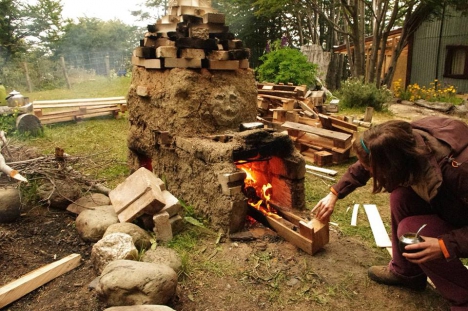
(287, 65)
(354, 93)
(8, 123)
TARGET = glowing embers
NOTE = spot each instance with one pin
(258, 191)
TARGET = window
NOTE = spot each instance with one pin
(456, 62)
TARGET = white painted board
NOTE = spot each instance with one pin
(377, 226)
(354, 215)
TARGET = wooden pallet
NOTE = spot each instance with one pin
(55, 111)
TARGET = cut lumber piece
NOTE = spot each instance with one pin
(377, 226)
(362, 123)
(354, 215)
(307, 108)
(322, 170)
(283, 99)
(335, 122)
(322, 158)
(311, 140)
(307, 120)
(368, 114)
(320, 234)
(29, 282)
(278, 93)
(80, 104)
(38, 103)
(340, 140)
(139, 193)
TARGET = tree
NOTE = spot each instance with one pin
(91, 35)
(254, 30)
(22, 25)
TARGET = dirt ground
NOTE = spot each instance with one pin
(266, 273)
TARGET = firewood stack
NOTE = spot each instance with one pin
(192, 35)
(322, 139)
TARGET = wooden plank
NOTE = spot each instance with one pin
(354, 215)
(291, 236)
(29, 282)
(308, 121)
(321, 235)
(321, 169)
(319, 231)
(377, 226)
(283, 99)
(339, 123)
(80, 104)
(307, 108)
(78, 100)
(306, 229)
(341, 140)
(312, 140)
(278, 93)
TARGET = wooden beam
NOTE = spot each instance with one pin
(79, 101)
(340, 140)
(29, 282)
(335, 122)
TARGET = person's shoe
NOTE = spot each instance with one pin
(382, 275)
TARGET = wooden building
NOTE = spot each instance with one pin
(438, 50)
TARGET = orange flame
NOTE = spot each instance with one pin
(263, 192)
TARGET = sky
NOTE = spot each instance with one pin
(103, 9)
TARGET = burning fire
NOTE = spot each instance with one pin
(258, 196)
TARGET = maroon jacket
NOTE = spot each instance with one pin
(449, 198)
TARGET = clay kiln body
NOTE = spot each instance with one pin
(186, 123)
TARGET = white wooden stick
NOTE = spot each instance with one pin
(322, 170)
(354, 216)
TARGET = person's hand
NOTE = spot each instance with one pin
(324, 207)
(428, 250)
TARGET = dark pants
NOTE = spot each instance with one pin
(409, 212)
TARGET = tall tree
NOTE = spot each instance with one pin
(257, 32)
(92, 35)
(22, 24)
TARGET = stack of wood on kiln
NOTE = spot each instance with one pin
(192, 35)
(321, 138)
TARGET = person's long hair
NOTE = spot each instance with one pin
(390, 152)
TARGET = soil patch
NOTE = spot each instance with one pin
(267, 273)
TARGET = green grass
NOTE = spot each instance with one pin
(103, 140)
(94, 87)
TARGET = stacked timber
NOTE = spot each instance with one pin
(192, 35)
(322, 139)
(55, 111)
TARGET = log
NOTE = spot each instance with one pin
(29, 123)
(29, 282)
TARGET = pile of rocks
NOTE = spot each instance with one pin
(133, 270)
